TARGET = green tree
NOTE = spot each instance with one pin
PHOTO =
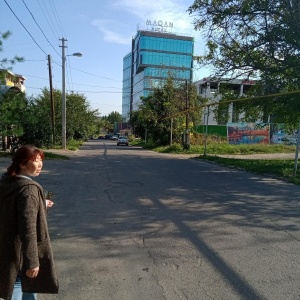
(103, 125)
(245, 36)
(12, 108)
(114, 117)
(254, 38)
(7, 61)
(167, 108)
(81, 119)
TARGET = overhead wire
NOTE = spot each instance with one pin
(24, 26)
(52, 28)
(54, 11)
(52, 5)
(39, 26)
(69, 73)
(215, 103)
(93, 86)
(55, 62)
(98, 75)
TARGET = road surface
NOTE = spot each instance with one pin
(131, 224)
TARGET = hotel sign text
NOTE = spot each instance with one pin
(160, 26)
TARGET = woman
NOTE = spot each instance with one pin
(26, 259)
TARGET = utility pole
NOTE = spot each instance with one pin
(52, 100)
(64, 125)
(187, 134)
(64, 122)
(297, 152)
(206, 131)
(171, 133)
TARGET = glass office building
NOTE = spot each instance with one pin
(153, 58)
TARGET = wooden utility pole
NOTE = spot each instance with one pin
(187, 134)
(52, 100)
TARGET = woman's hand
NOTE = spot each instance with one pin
(31, 273)
(49, 203)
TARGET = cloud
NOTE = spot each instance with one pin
(137, 12)
(110, 35)
(167, 10)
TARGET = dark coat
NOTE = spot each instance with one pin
(24, 237)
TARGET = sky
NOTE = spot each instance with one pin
(102, 30)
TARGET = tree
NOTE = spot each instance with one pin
(245, 36)
(11, 104)
(252, 38)
(166, 108)
(5, 61)
(103, 125)
(12, 108)
(114, 117)
(81, 119)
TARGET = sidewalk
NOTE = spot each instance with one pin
(261, 156)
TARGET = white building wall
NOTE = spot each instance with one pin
(208, 88)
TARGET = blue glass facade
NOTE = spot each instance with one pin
(154, 57)
(126, 90)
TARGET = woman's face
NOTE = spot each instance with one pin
(32, 168)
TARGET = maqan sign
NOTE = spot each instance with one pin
(160, 26)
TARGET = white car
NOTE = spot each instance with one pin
(114, 137)
(122, 140)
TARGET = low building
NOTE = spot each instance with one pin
(10, 82)
(209, 88)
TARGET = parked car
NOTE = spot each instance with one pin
(114, 137)
(108, 136)
(122, 140)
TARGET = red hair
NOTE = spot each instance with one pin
(24, 154)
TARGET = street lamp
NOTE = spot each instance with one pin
(64, 123)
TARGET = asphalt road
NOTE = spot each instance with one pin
(130, 224)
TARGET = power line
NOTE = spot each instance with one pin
(52, 5)
(89, 73)
(69, 73)
(76, 91)
(4, 60)
(99, 86)
(98, 75)
(266, 97)
(39, 27)
(24, 60)
(51, 28)
(101, 92)
(93, 86)
(24, 27)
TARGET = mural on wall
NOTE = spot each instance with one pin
(248, 133)
(280, 135)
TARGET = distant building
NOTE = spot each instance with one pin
(10, 82)
(208, 88)
(155, 54)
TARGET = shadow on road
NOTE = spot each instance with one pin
(108, 194)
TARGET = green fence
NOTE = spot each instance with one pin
(220, 130)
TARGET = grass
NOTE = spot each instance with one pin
(215, 148)
(72, 145)
(283, 169)
(48, 155)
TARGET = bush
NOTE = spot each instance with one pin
(199, 139)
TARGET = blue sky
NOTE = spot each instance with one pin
(101, 30)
